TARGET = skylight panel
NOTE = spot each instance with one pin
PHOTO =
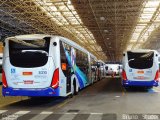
(147, 18)
(65, 16)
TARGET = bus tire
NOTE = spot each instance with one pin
(148, 87)
(127, 88)
(99, 78)
(75, 92)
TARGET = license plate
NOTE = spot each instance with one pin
(28, 81)
(139, 78)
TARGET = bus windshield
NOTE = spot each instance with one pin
(140, 60)
(28, 53)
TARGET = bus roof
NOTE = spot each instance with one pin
(40, 36)
(141, 50)
(70, 42)
(101, 61)
(29, 36)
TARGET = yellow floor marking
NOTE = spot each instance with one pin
(62, 104)
(65, 102)
(123, 93)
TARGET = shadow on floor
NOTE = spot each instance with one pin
(111, 85)
(107, 85)
(38, 102)
(137, 89)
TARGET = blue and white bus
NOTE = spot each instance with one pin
(140, 68)
(45, 65)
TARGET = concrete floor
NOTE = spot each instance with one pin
(104, 100)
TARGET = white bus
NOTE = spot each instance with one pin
(112, 69)
(45, 65)
(140, 68)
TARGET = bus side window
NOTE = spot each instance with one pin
(64, 62)
(82, 61)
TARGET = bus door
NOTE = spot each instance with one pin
(69, 78)
(98, 70)
(66, 67)
(93, 73)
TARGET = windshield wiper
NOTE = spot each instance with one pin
(39, 51)
(131, 59)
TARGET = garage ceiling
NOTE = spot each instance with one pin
(104, 27)
(111, 22)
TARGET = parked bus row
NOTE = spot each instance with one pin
(45, 65)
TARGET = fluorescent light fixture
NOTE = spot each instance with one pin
(106, 31)
(69, 2)
(129, 46)
(102, 18)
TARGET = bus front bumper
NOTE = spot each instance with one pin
(30, 92)
(128, 83)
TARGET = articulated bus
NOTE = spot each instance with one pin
(45, 65)
(140, 68)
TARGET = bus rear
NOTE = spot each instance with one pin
(140, 69)
(28, 68)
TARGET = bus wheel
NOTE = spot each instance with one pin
(127, 88)
(75, 92)
(148, 87)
